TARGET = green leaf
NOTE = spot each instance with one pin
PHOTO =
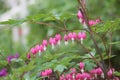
(89, 65)
(37, 17)
(110, 25)
(60, 68)
(3, 63)
(117, 73)
(117, 42)
(28, 67)
(13, 22)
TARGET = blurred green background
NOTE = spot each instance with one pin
(105, 9)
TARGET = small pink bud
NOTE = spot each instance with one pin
(92, 22)
(110, 73)
(28, 56)
(79, 14)
(82, 65)
(98, 20)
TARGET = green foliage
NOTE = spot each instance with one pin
(62, 57)
(89, 65)
(13, 22)
(117, 73)
(108, 26)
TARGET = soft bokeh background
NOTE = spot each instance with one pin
(21, 38)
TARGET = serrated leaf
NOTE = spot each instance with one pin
(110, 25)
(89, 65)
(13, 22)
(60, 68)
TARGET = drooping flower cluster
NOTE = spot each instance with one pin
(10, 57)
(46, 73)
(3, 72)
(94, 74)
(53, 41)
(82, 20)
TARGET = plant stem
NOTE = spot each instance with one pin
(83, 8)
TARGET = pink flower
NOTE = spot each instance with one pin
(44, 43)
(80, 16)
(91, 22)
(93, 71)
(10, 57)
(99, 71)
(86, 76)
(28, 56)
(62, 77)
(94, 22)
(66, 38)
(110, 73)
(58, 38)
(37, 48)
(116, 78)
(48, 71)
(73, 72)
(78, 76)
(3, 72)
(33, 51)
(68, 77)
(81, 36)
(72, 36)
(82, 65)
(43, 73)
(52, 42)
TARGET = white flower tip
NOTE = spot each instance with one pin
(53, 46)
(66, 42)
